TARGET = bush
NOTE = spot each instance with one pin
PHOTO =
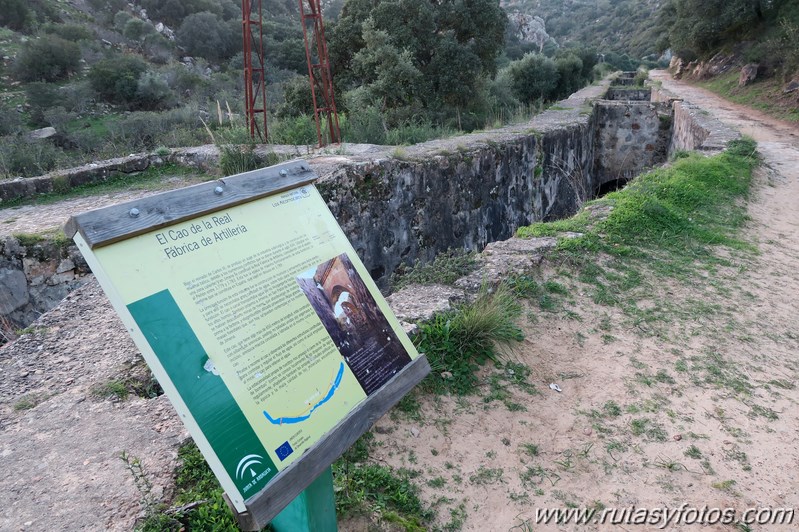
(11, 122)
(570, 75)
(146, 130)
(41, 97)
(533, 77)
(299, 130)
(136, 29)
(15, 14)
(365, 125)
(206, 35)
(69, 32)
(48, 58)
(116, 79)
(152, 92)
(446, 268)
(21, 158)
(238, 159)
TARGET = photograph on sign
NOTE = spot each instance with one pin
(265, 326)
(353, 320)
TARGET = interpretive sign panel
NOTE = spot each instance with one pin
(257, 317)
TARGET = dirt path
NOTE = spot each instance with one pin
(699, 408)
(32, 219)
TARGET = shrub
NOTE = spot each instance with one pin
(69, 32)
(152, 91)
(299, 130)
(446, 268)
(116, 79)
(365, 124)
(570, 78)
(21, 158)
(414, 132)
(533, 77)
(15, 14)
(238, 159)
(206, 35)
(41, 97)
(48, 58)
(136, 29)
(11, 122)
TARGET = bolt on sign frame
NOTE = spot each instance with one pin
(254, 73)
(324, 101)
(263, 327)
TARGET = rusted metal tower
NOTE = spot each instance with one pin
(324, 102)
(254, 69)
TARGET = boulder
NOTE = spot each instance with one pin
(748, 74)
(43, 133)
(14, 287)
(529, 28)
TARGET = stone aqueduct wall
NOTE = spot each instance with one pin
(411, 204)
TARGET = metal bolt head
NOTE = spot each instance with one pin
(219, 190)
(283, 173)
(134, 212)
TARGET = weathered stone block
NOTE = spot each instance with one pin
(14, 290)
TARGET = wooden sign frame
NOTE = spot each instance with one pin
(117, 223)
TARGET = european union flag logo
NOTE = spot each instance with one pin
(283, 451)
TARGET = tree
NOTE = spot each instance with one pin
(388, 74)
(206, 35)
(533, 77)
(570, 74)
(417, 54)
(697, 28)
(48, 58)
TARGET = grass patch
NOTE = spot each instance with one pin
(648, 428)
(377, 491)
(29, 401)
(765, 95)
(446, 268)
(665, 223)
(457, 343)
(196, 487)
(684, 207)
(112, 389)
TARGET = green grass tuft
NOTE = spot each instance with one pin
(457, 343)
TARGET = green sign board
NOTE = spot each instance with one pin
(257, 317)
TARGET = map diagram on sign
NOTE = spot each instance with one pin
(306, 414)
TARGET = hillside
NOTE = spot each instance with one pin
(623, 27)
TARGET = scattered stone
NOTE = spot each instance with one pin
(380, 429)
(748, 74)
(418, 303)
(14, 287)
(446, 375)
(43, 133)
(791, 87)
(414, 432)
(65, 265)
(677, 437)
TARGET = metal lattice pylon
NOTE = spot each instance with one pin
(254, 71)
(324, 102)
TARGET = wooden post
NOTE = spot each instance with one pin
(314, 510)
